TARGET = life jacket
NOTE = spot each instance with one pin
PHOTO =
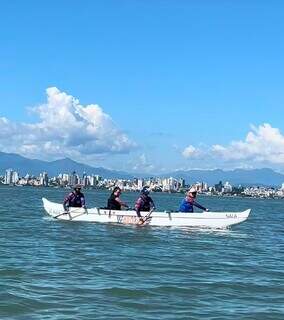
(113, 204)
(75, 199)
(144, 203)
(186, 205)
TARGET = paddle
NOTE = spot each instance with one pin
(147, 216)
(69, 213)
(61, 214)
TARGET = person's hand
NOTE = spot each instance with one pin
(207, 210)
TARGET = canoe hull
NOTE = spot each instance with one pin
(168, 219)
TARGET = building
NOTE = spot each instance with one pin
(8, 176)
(219, 187)
(140, 184)
(43, 179)
(15, 177)
(85, 180)
(182, 183)
(227, 187)
(73, 179)
(170, 184)
(11, 177)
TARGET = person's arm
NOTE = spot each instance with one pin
(66, 202)
(152, 204)
(83, 202)
(121, 202)
(138, 205)
(196, 204)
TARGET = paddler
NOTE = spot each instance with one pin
(144, 203)
(189, 202)
(114, 202)
(74, 199)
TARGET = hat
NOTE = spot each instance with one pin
(77, 186)
(192, 190)
(145, 191)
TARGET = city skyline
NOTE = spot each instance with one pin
(34, 167)
(199, 88)
(156, 184)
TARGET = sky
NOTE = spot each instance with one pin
(144, 86)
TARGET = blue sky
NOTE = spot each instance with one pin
(181, 84)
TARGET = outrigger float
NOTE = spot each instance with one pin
(215, 220)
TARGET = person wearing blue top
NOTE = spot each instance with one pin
(189, 202)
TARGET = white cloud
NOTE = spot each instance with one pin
(263, 145)
(65, 128)
(191, 152)
(143, 165)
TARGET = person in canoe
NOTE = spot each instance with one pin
(74, 199)
(189, 202)
(114, 202)
(144, 203)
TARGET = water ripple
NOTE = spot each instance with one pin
(54, 270)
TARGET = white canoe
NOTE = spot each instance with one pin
(170, 219)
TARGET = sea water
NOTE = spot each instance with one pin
(59, 270)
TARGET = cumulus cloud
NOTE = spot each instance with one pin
(263, 145)
(142, 164)
(65, 128)
(191, 152)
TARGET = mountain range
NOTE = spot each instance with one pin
(24, 165)
(53, 168)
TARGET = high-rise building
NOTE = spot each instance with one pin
(170, 184)
(85, 181)
(43, 177)
(73, 179)
(98, 178)
(227, 187)
(65, 177)
(140, 183)
(93, 181)
(182, 182)
(205, 187)
(173, 184)
(15, 177)
(8, 176)
(219, 186)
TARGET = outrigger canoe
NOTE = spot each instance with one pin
(213, 220)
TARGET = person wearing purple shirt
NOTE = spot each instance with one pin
(74, 199)
(144, 203)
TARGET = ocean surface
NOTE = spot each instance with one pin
(71, 270)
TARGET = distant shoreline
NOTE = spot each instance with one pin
(225, 195)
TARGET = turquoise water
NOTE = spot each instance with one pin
(67, 270)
